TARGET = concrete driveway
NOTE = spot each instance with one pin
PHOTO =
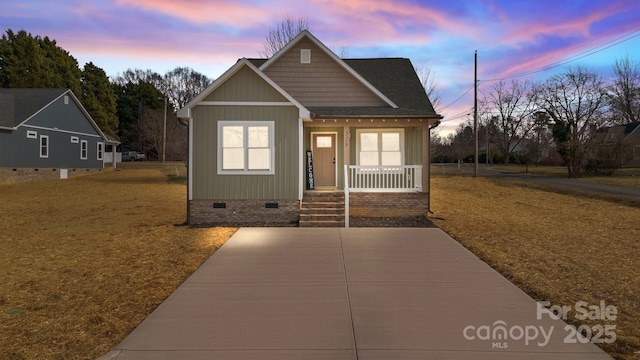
(357, 293)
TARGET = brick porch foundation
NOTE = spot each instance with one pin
(244, 212)
(388, 204)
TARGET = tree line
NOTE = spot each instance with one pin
(560, 120)
(129, 107)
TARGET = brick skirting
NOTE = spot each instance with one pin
(221, 212)
(244, 212)
(388, 204)
(30, 174)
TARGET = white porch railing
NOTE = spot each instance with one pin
(385, 178)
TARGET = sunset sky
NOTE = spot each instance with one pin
(523, 39)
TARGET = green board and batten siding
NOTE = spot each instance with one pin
(245, 86)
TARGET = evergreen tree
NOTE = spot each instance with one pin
(99, 98)
(132, 101)
(36, 62)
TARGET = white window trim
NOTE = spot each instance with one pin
(100, 150)
(40, 147)
(246, 171)
(75, 139)
(84, 150)
(380, 132)
(32, 134)
(305, 56)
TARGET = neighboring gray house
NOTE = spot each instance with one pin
(48, 129)
(255, 131)
(620, 144)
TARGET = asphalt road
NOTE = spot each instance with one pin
(570, 185)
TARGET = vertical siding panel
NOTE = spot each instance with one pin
(282, 185)
(412, 145)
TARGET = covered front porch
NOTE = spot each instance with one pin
(381, 155)
(379, 165)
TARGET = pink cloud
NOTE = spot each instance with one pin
(230, 13)
(579, 26)
(536, 60)
(372, 22)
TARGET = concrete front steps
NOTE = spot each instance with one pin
(322, 209)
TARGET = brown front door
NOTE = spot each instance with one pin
(324, 159)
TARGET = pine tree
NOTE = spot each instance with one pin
(35, 62)
(99, 98)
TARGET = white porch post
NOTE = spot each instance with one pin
(425, 158)
(346, 134)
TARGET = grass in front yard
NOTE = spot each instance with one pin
(555, 247)
(622, 177)
(85, 260)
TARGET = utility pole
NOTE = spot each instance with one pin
(164, 132)
(475, 110)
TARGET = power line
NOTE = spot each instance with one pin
(594, 50)
(458, 99)
(458, 116)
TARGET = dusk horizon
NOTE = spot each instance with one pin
(514, 40)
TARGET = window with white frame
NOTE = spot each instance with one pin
(380, 147)
(44, 146)
(100, 150)
(245, 147)
(75, 140)
(32, 134)
(83, 149)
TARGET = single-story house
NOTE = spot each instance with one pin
(269, 140)
(619, 144)
(48, 129)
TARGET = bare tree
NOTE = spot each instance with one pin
(182, 84)
(428, 80)
(462, 141)
(282, 34)
(624, 96)
(575, 101)
(151, 130)
(511, 107)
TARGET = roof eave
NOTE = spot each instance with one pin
(431, 118)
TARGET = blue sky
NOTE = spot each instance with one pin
(512, 37)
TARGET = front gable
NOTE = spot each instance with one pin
(317, 78)
(243, 84)
(246, 85)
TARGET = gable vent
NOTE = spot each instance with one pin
(305, 56)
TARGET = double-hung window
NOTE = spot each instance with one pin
(380, 147)
(100, 150)
(44, 146)
(245, 147)
(83, 149)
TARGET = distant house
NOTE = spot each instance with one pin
(620, 144)
(269, 139)
(48, 129)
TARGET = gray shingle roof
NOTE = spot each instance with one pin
(18, 105)
(395, 78)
